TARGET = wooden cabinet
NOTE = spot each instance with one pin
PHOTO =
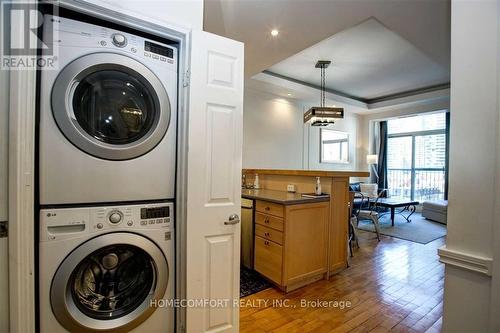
(291, 242)
(270, 208)
(269, 259)
(269, 234)
(269, 221)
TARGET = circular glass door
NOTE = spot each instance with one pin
(114, 107)
(109, 283)
(110, 106)
(112, 281)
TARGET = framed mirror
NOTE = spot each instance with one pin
(334, 146)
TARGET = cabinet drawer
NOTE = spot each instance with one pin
(268, 259)
(268, 233)
(269, 208)
(269, 221)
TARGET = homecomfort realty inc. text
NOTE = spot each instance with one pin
(251, 303)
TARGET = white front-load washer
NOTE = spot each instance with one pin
(108, 110)
(107, 269)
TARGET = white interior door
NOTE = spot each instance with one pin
(214, 177)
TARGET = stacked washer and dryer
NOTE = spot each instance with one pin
(107, 157)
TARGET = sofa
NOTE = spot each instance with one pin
(436, 210)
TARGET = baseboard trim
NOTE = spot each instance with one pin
(466, 261)
(337, 268)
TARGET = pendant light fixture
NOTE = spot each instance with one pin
(323, 115)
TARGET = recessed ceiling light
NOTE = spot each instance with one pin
(274, 32)
(289, 94)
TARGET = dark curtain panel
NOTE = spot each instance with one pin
(382, 156)
(447, 160)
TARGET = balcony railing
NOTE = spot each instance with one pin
(419, 184)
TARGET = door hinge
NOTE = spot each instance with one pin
(186, 78)
(4, 229)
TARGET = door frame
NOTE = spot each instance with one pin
(22, 107)
(22, 143)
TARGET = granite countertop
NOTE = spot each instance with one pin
(279, 197)
(308, 173)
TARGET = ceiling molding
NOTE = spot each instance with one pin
(408, 93)
(372, 103)
(331, 91)
(311, 91)
(431, 96)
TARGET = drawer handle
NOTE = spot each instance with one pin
(267, 234)
(268, 208)
(266, 220)
(266, 243)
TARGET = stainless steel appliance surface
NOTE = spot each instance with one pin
(247, 233)
(107, 269)
(108, 112)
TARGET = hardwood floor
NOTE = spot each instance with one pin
(393, 286)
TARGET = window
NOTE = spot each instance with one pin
(433, 121)
(334, 146)
(416, 157)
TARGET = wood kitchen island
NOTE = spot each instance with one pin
(291, 235)
(336, 184)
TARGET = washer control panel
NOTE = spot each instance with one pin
(145, 216)
(62, 223)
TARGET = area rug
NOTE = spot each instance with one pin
(419, 230)
(251, 282)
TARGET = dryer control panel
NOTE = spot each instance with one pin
(63, 223)
(70, 33)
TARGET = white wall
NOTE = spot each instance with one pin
(276, 146)
(472, 224)
(275, 137)
(272, 131)
(312, 149)
(183, 13)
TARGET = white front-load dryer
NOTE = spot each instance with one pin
(108, 110)
(107, 269)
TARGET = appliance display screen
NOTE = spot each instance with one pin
(156, 212)
(158, 49)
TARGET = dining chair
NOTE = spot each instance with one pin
(369, 210)
(352, 235)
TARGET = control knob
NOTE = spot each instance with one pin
(119, 40)
(115, 217)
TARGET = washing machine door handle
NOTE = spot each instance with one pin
(71, 112)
